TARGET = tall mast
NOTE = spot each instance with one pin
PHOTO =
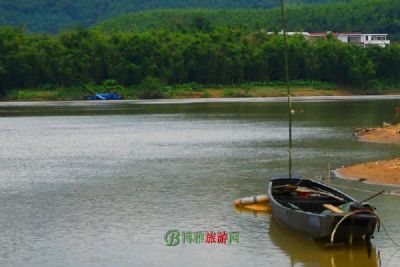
(286, 68)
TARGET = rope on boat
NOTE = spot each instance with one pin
(350, 214)
(369, 211)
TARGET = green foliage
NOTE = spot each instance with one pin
(357, 15)
(206, 94)
(165, 63)
(151, 88)
(232, 92)
(46, 94)
(51, 16)
(107, 86)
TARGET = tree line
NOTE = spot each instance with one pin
(220, 56)
(368, 16)
(53, 16)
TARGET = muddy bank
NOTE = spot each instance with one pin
(389, 134)
(377, 172)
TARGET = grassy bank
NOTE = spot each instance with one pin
(154, 89)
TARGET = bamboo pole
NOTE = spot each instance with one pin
(286, 70)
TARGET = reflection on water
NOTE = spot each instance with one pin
(317, 254)
(102, 187)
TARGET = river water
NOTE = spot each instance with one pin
(85, 184)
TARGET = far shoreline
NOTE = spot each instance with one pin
(277, 99)
(155, 90)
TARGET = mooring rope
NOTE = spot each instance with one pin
(386, 192)
(390, 238)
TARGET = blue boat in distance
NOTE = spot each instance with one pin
(110, 96)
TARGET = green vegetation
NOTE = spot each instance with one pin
(358, 15)
(51, 16)
(166, 63)
(153, 88)
(191, 52)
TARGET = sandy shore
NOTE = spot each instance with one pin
(377, 172)
(389, 134)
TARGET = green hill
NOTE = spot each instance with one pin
(52, 16)
(358, 15)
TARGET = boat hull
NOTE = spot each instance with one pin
(317, 225)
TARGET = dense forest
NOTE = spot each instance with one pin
(52, 16)
(219, 56)
(382, 16)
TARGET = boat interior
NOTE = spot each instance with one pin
(308, 197)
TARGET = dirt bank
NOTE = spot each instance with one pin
(387, 134)
(377, 172)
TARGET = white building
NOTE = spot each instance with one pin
(305, 34)
(379, 39)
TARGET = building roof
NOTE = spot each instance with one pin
(376, 34)
(350, 33)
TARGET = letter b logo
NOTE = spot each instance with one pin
(172, 238)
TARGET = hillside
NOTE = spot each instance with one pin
(53, 16)
(358, 15)
(81, 59)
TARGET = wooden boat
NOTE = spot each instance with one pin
(310, 208)
(318, 211)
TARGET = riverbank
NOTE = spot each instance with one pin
(182, 101)
(388, 134)
(153, 88)
(156, 90)
(377, 172)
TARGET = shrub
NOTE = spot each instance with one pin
(151, 88)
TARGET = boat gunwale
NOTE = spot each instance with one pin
(332, 215)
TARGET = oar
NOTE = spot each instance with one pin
(373, 196)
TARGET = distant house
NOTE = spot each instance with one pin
(379, 39)
(359, 38)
